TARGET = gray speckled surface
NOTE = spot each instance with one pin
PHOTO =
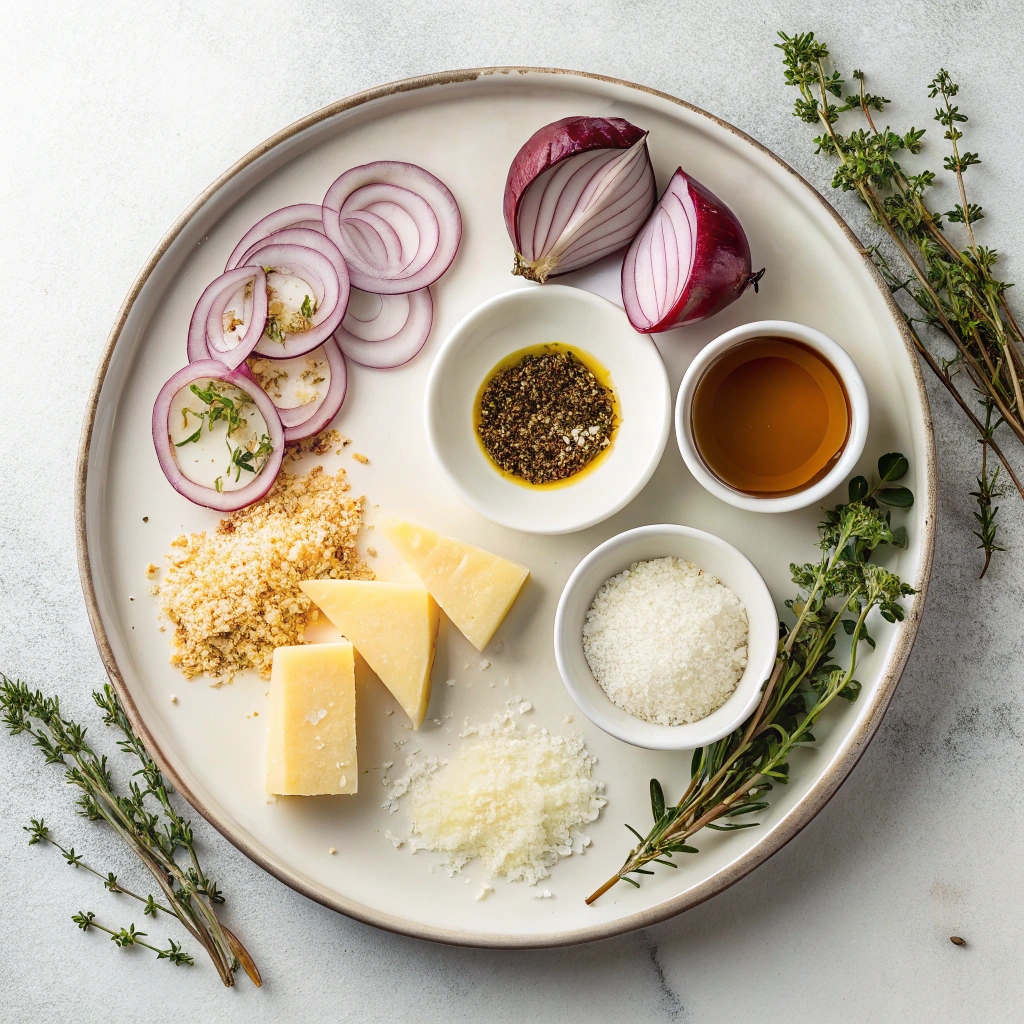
(116, 115)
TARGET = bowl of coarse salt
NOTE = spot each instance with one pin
(664, 636)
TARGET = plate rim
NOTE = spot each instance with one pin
(798, 818)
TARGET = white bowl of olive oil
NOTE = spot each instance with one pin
(546, 410)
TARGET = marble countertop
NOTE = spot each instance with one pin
(116, 115)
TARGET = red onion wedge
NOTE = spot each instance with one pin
(579, 189)
(690, 260)
(301, 215)
(229, 317)
(385, 331)
(289, 382)
(295, 270)
(190, 445)
(397, 226)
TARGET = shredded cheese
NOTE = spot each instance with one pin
(515, 798)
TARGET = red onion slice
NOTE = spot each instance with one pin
(690, 260)
(418, 209)
(228, 500)
(308, 237)
(301, 215)
(579, 189)
(330, 291)
(408, 318)
(206, 336)
(301, 421)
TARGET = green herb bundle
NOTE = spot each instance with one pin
(144, 818)
(731, 778)
(976, 347)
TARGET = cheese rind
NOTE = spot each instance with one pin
(393, 626)
(475, 588)
(312, 742)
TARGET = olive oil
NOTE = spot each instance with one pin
(770, 417)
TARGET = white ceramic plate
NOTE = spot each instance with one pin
(466, 127)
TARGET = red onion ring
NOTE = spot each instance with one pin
(205, 330)
(301, 215)
(307, 420)
(210, 497)
(363, 342)
(419, 210)
(308, 237)
(330, 288)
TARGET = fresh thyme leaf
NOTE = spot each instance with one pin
(308, 307)
(840, 590)
(657, 800)
(191, 438)
(144, 818)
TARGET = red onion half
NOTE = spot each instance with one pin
(397, 226)
(201, 372)
(579, 189)
(301, 215)
(317, 265)
(690, 260)
(207, 337)
(385, 331)
(310, 418)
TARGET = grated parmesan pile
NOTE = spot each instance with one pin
(514, 798)
(233, 595)
(666, 641)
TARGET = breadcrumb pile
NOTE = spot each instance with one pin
(233, 596)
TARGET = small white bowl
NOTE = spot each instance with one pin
(707, 552)
(855, 390)
(520, 319)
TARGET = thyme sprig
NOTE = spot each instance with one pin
(953, 287)
(731, 778)
(144, 818)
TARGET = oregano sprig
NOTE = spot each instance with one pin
(731, 778)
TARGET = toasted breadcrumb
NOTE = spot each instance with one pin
(233, 596)
(359, 457)
(319, 444)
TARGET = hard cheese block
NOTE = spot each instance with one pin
(312, 748)
(475, 588)
(393, 626)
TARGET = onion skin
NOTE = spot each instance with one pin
(720, 269)
(551, 145)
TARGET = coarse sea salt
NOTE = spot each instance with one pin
(666, 641)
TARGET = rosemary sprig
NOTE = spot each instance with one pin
(954, 289)
(145, 820)
(730, 778)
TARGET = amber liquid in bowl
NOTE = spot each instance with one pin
(770, 417)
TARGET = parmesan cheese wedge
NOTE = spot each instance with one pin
(393, 626)
(312, 749)
(475, 588)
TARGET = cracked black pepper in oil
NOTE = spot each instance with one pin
(544, 415)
